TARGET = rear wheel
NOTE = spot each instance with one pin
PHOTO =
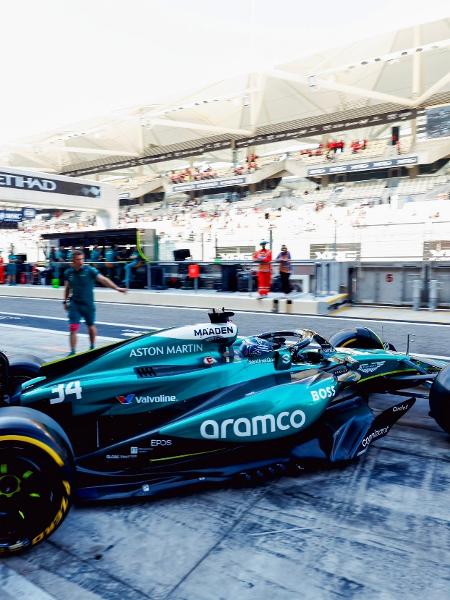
(35, 491)
(440, 399)
(360, 337)
(20, 371)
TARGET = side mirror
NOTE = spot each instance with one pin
(351, 362)
(302, 343)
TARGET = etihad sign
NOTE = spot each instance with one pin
(27, 182)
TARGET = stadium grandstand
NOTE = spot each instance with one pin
(349, 146)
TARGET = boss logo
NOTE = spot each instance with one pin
(323, 393)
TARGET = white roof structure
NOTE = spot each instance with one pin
(402, 70)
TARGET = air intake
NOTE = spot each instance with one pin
(145, 372)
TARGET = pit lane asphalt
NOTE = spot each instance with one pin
(378, 528)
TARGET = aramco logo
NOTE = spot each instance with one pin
(255, 426)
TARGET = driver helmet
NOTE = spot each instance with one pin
(254, 346)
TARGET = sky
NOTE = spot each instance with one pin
(68, 60)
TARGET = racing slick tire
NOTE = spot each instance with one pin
(440, 399)
(22, 368)
(360, 337)
(36, 472)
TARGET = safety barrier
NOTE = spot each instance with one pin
(329, 284)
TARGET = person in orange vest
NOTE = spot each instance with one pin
(263, 257)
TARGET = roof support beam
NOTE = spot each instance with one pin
(43, 169)
(48, 147)
(256, 98)
(433, 89)
(198, 126)
(191, 104)
(81, 150)
(416, 66)
(37, 160)
(340, 87)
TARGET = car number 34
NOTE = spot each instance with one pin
(72, 388)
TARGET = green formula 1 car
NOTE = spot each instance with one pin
(191, 406)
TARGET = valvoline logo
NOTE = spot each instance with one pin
(128, 399)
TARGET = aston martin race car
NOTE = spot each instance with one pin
(193, 406)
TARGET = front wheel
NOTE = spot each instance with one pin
(35, 491)
(440, 399)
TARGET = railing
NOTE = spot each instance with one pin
(386, 283)
(226, 276)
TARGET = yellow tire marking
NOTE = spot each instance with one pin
(23, 438)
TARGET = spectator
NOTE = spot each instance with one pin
(54, 262)
(60, 256)
(95, 256)
(358, 145)
(135, 262)
(263, 257)
(110, 259)
(284, 260)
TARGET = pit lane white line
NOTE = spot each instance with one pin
(17, 586)
(11, 314)
(294, 315)
(259, 314)
(431, 356)
(25, 328)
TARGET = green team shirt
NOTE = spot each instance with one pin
(82, 283)
(110, 255)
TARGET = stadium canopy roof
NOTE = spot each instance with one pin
(402, 70)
